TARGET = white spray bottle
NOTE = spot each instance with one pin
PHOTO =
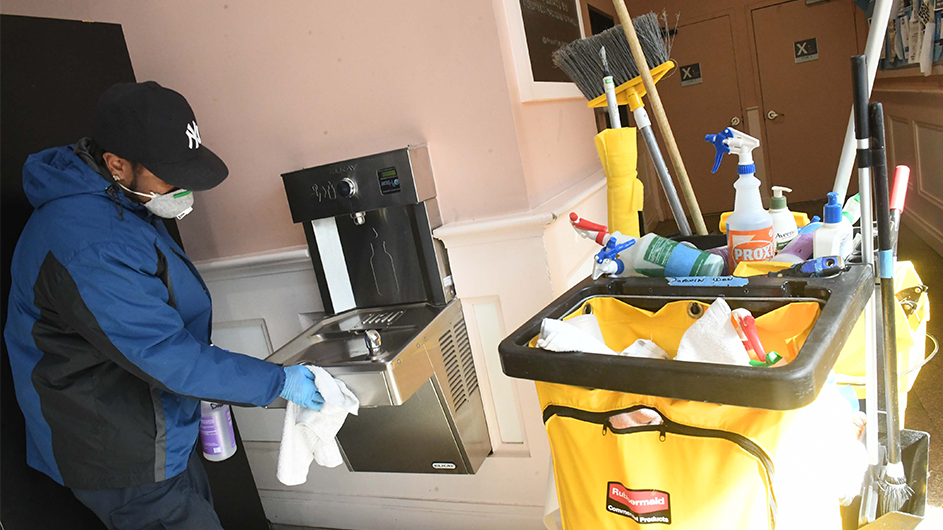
(750, 226)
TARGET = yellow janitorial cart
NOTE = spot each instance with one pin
(738, 447)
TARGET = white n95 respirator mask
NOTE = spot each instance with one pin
(174, 204)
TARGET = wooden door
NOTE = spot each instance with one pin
(700, 100)
(806, 90)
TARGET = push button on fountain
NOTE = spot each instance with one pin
(347, 188)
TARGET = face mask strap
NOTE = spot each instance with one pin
(125, 188)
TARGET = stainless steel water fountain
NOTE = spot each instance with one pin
(395, 334)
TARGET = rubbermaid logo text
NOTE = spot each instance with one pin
(642, 506)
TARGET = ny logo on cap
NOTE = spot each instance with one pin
(193, 135)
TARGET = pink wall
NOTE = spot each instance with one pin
(557, 146)
(278, 86)
(555, 137)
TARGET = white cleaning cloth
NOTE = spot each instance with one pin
(560, 336)
(582, 334)
(588, 323)
(645, 348)
(713, 339)
(309, 434)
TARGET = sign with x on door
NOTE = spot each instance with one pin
(690, 74)
(806, 50)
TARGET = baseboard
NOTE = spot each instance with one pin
(382, 513)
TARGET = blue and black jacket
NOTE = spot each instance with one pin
(108, 333)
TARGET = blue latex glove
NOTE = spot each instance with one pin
(300, 388)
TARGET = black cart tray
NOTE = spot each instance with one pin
(842, 298)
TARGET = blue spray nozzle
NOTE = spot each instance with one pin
(722, 148)
(612, 249)
(735, 142)
(832, 210)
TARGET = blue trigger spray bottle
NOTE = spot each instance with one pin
(649, 255)
(654, 256)
(750, 226)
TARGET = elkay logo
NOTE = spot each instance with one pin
(642, 506)
(193, 135)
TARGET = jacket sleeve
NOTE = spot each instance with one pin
(111, 295)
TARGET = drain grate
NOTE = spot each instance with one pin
(387, 317)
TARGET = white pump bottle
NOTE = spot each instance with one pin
(750, 226)
(784, 224)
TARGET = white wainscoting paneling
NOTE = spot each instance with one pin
(506, 428)
(245, 336)
(251, 338)
(929, 141)
(259, 303)
(915, 139)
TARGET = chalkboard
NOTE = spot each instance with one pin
(549, 25)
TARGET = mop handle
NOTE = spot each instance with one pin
(609, 87)
(858, 67)
(880, 15)
(899, 192)
(886, 268)
(645, 128)
(860, 93)
(898, 198)
(879, 176)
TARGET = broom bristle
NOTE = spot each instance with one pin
(894, 490)
(580, 58)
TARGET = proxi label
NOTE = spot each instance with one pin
(750, 245)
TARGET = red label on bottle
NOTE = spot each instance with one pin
(750, 245)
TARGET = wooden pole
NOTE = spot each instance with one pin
(660, 117)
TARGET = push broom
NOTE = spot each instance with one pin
(606, 59)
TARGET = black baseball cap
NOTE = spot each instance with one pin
(153, 125)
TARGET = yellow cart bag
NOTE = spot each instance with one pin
(706, 466)
(911, 339)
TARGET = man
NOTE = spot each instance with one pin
(109, 322)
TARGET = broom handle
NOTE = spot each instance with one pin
(876, 33)
(660, 117)
(886, 267)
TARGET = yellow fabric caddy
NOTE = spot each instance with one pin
(624, 193)
(707, 466)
